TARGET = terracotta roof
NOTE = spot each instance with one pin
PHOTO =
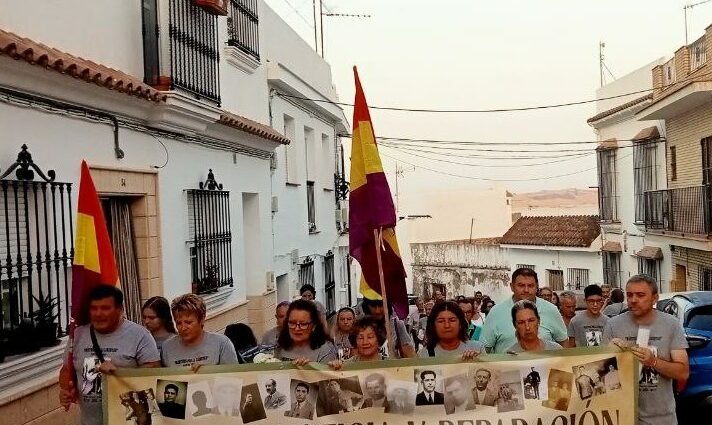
(607, 144)
(647, 134)
(650, 252)
(620, 108)
(253, 127)
(568, 230)
(34, 53)
(611, 246)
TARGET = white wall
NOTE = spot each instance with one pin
(631, 236)
(559, 258)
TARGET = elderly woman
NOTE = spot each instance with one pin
(156, 317)
(366, 337)
(525, 317)
(446, 333)
(303, 339)
(193, 341)
(342, 329)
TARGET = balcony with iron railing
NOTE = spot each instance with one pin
(698, 53)
(242, 24)
(682, 211)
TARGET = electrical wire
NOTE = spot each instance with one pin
(475, 111)
(544, 154)
(459, 149)
(464, 142)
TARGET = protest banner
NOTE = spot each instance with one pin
(583, 386)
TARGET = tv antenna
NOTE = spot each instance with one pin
(689, 7)
(322, 11)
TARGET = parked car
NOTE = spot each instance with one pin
(694, 311)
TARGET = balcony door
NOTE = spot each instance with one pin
(707, 181)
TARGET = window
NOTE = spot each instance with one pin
(242, 27)
(210, 237)
(644, 176)
(311, 209)
(611, 269)
(707, 161)
(149, 16)
(291, 161)
(555, 279)
(673, 163)
(327, 162)
(306, 273)
(648, 267)
(329, 284)
(705, 283)
(310, 153)
(526, 266)
(607, 197)
(576, 278)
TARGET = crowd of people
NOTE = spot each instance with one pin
(533, 319)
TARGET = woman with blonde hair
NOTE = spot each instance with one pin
(193, 341)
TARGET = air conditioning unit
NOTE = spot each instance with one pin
(275, 204)
(270, 281)
(295, 257)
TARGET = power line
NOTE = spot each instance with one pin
(544, 154)
(515, 109)
(295, 10)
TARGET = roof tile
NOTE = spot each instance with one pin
(569, 230)
(253, 127)
(620, 108)
(34, 53)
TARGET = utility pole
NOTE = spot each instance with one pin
(332, 15)
(399, 173)
(601, 46)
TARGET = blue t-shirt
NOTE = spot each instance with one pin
(498, 330)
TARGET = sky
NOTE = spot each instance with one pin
(474, 54)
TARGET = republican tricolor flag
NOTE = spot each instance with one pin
(371, 208)
(94, 262)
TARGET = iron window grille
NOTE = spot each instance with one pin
(306, 272)
(648, 267)
(210, 236)
(243, 27)
(555, 279)
(611, 269)
(193, 34)
(607, 185)
(36, 246)
(311, 209)
(705, 278)
(329, 284)
(644, 175)
(576, 278)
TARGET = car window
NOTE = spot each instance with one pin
(700, 318)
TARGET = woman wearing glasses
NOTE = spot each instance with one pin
(304, 339)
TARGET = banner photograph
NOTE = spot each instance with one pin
(578, 386)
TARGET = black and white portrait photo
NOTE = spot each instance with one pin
(511, 392)
(251, 407)
(485, 386)
(400, 397)
(275, 392)
(458, 396)
(534, 381)
(559, 387)
(171, 397)
(137, 407)
(373, 386)
(338, 396)
(303, 400)
(430, 391)
(200, 398)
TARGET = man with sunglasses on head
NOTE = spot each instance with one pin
(585, 329)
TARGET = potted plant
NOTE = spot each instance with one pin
(45, 319)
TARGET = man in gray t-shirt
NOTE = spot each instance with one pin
(658, 341)
(586, 328)
(121, 343)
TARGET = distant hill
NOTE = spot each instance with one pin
(548, 201)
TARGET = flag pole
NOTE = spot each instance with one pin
(378, 239)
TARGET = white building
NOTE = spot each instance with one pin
(563, 250)
(631, 161)
(205, 168)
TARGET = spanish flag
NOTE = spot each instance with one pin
(371, 207)
(94, 262)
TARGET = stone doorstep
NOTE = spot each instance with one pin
(19, 376)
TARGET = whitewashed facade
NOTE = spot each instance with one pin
(230, 123)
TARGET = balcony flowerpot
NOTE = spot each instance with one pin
(214, 7)
(47, 334)
(45, 320)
